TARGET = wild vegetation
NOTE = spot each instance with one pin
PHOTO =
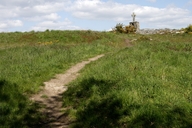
(124, 29)
(148, 85)
(143, 81)
(188, 29)
(28, 59)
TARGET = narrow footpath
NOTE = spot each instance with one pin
(51, 95)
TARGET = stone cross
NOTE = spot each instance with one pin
(133, 15)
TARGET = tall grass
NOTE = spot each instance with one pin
(148, 85)
(30, 66)
(145, 85)
(28, 59)
(15, 109)
(45, 54)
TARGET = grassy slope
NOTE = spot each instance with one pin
(29, 59)
(138, 86)
(148, 85)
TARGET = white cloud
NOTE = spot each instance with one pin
(3, 25)
(10, 23)
(48, 14)
(52, 25)
(100, 10)
(49, 7)
(150, 16)
(52, 16)
(24, 8)
(29, 11)
(40, 18)
(15, 23)
(7, 13)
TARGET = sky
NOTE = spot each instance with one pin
(99, 15)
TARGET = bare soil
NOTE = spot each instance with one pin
(50, 97)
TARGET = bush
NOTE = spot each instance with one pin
(119, 28)
(130, 29)
(127, 29)
(188, 29)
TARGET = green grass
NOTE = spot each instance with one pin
(30, 64)
(15, 109)
(29, 59)
(148, 85)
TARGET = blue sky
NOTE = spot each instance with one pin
(101, 15)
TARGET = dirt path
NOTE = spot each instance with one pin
(51, 95)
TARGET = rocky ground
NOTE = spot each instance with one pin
(159, 31)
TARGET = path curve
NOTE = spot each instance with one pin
(51, 95)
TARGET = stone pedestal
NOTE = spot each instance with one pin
(135, 24)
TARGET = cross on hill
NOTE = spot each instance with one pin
(133, 15)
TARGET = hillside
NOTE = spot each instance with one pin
(142, 81)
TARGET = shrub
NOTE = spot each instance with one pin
(127, 29)
(188, 29)
(130, 29)
(119, 28)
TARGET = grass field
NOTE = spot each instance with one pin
(146, 85)
(28, 59)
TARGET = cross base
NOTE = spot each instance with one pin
(135, 24)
